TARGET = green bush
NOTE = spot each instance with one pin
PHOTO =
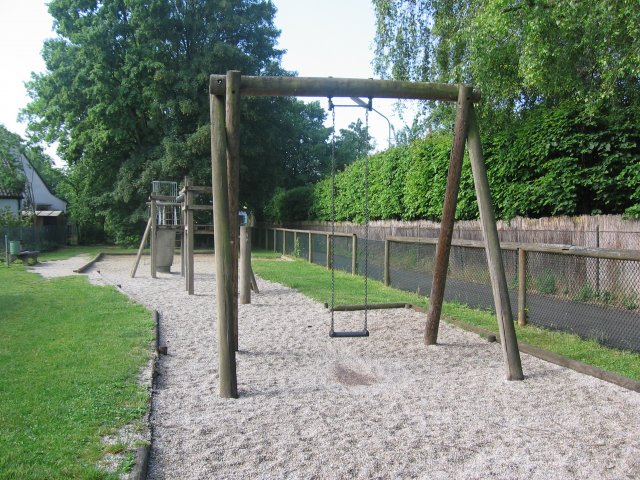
(551, 161)
(546, 284)
(290, 205)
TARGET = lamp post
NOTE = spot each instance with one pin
(364, 104)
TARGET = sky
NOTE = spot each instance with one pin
(322, 38)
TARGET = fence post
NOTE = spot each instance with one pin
(275, 237)
(310, 249)
(328, 251)
(386, 277)
(354, 254)
(522, 287)
(295, 243)
(284, 242)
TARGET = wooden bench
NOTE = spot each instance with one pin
(25, 255)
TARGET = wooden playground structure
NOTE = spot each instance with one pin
(225, 92)
(165, 223)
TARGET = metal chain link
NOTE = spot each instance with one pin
(333, 207)
(366, 221)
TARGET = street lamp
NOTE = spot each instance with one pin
(364, 104)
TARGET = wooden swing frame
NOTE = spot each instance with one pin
(225, 92)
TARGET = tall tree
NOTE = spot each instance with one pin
(352, 143)
(126, 96)
(518, 52)
(565, 72)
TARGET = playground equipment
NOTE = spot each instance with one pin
(171, 212)
(225, 93)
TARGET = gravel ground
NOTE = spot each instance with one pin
(380, 407)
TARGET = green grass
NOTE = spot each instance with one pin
(314, 281)
(70, 353)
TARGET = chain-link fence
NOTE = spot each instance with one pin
(41, 238)
(593, 293)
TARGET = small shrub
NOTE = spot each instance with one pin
(546, 284)
(630, 302)
(585, 294)
(606, 297)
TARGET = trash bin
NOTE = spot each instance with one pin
(14, 247)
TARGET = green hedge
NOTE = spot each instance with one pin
(564, 161)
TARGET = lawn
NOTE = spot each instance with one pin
(314, 281)
(70, 353)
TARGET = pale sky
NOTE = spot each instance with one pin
(322, 38)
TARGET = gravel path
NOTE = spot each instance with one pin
(381, 407)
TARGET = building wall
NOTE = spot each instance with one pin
(41, 193)
(12, 203)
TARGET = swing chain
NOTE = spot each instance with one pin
(366, 218)
(333, 207)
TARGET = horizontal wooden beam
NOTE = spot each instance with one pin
(339, 87)
(604, 253)
(372, 306)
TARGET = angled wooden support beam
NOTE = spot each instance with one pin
(141, 248)
(339, 87)
(448, 216)
(508, 338)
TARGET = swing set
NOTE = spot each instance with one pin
(225, 92)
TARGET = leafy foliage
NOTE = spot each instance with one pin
(11, 175)
(561, 161)
(126, 96)
(559, 81)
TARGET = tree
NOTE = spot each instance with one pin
(519, 53)
(11, 175)
(126, 96)
(352, 143)
(567, 71)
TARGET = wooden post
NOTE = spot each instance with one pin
(328, 251)
(448, 216)
(183, 240)
(224, 258)
(494, 258)
(522, 287)
(354, 254)
(140, 249)
(310, 248)
(295, 243)
(244, 269)
(386, 277)
(284, 242)
(254, 284)
(233, 173)
(154, 237)
(188, 199)
(275, 238)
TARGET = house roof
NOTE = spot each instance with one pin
(10, 193)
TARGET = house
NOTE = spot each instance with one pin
(11, 200)
(38, 199)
